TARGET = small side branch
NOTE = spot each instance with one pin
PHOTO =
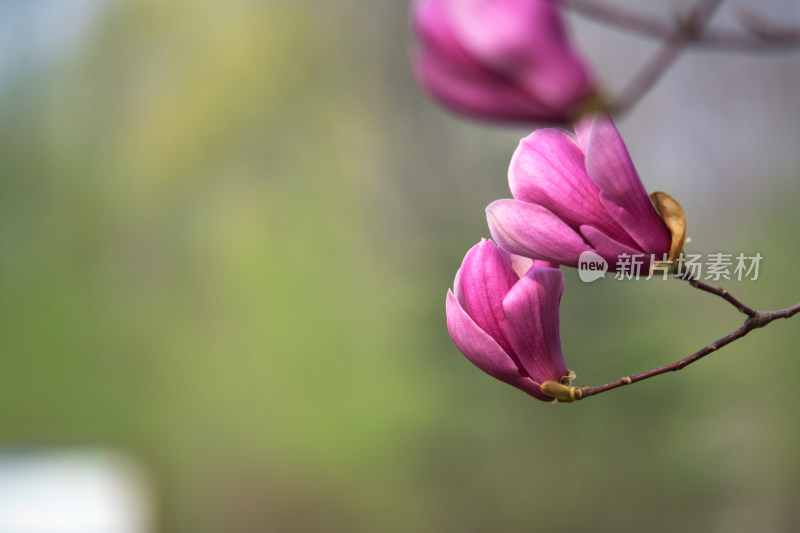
(719, 291)
(687, 29)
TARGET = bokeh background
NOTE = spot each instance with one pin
(226, 234)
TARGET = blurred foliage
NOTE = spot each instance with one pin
(226, 231)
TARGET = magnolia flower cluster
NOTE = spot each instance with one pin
(572, 193)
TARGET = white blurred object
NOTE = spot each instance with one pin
(73, 492)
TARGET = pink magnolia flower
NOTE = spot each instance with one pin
(499, 59)
(577, 193)
(506, 322)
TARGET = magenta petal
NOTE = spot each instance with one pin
(549, 165)
(609, 166)
(478, 346)
(548, 264)
(483, 351)
(458, 290)
(523, 40)
(531, 323)
(561, 82)
(487, 97)
(520, 264)
(582, 128)
(433, 29)
(498, 32)
(560, 77)
(485, 278)
(642, 223)
(491, 98)
(533, 231)
(606, 247)
(548, 169)
(455, 77)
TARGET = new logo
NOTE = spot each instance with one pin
(591, 267)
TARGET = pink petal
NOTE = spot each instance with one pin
(520, 264)
(431, 22)
(609, 166)
(483, 351)
(458, 290)
(533, 231)
(606, 247)
(641, 221)
(548, 169)
(582, 128)
(507, 36)
(561, 82)
(480, 95)
(531, 323)
(559, 75)
(484, 279)
(524, 40)
(455, 78)
(548, 264)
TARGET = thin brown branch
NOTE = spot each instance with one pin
(762, 38)
(755, 319)
(789, 312)
(585, 392)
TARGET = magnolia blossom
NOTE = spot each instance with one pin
(499, 59)
(506, 321)
(577, 193)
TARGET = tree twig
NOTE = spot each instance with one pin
(755, 319)
(766, 39)
(687, 29)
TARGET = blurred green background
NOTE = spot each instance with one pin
(226, 234)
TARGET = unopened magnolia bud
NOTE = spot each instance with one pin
(529, 302)
(508, 60)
